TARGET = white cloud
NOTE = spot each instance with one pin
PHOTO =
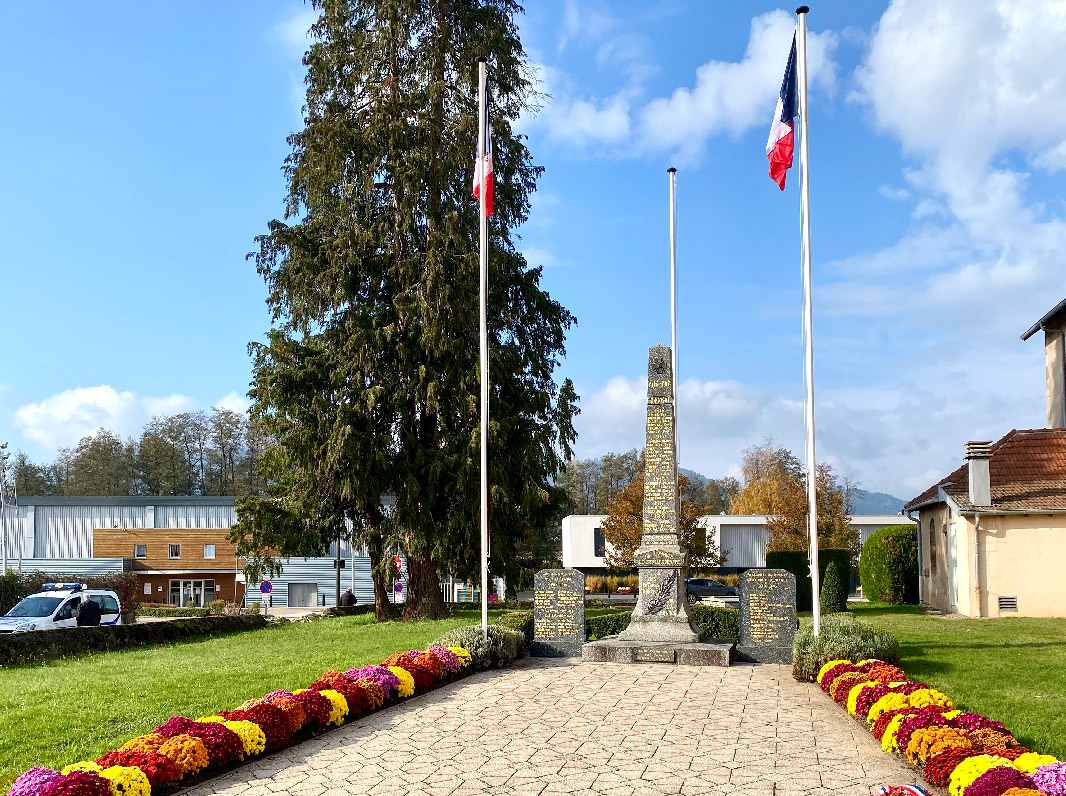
(894, 194)
(294, 33)
(536, 256)
(234, 401)
(574, 120)
(731, 97)
(62, 419)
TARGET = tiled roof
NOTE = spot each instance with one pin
(1027, 472)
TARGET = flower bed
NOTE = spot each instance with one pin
(968, 754)
(183, 748)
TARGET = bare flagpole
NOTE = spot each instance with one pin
(808, 315)
(482, 69)
(673, 317)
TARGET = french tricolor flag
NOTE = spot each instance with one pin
(782, 142)
(486, 164)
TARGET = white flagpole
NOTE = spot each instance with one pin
(484, 346)
(673, 319)
(808, 315)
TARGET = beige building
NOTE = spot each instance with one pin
(992, 535)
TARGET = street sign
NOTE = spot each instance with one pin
(265, 587)
(397, 562)
(341, 562)
(399, 588)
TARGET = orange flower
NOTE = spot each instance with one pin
(928, 742)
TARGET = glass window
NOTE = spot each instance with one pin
(35, 606)
(209, 551)
(209, 591)
(147, 588)
(108, 605)
(140, 551)
(599, 544)
(175, 592)
(175, 551)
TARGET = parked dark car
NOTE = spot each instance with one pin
(698, 588)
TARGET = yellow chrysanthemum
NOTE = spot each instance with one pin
(891, 701)
(888, 740)
(853, 695)
(463, 654)
(338, 705)
(407, 682)
(251, 734)
(970, 769)
(924, 697)
(826, 668)
(1031, 761)
(127, 781)
(82, 765)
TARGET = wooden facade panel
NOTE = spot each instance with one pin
(120, 543)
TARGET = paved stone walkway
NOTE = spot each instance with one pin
(562, 727)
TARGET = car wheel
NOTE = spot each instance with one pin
(692, 599)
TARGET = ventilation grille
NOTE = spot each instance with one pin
(1008, 603)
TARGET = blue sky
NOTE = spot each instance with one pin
(145, 144)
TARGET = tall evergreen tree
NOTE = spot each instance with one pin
(369, 377)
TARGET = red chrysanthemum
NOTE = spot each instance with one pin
(938, 769)
(316, 706)
(355, 696)
(271, 720)
(885, 719)
(843, 684)
(222, 743)
(79, 783)
(157, 767)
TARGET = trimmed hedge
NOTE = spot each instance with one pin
(888, 568)
(829, 599)
(165, 610)
(348, 610)
(501, 648)
(795, 561)
(45, 645)
(522, 621)
(842, 637)
(715, 621)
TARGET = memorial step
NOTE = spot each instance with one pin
(710, 652)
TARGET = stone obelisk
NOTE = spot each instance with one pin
(662, 610)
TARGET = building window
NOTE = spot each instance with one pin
(175, 551)
(209, 551)
(148, 588)
(932, 547)
(140, 551)
(599, 544)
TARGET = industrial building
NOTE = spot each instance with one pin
(741, 537)
(178, 547)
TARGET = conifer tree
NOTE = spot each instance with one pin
(369, 380)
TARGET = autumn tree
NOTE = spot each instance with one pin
(775, 485)
(368, 381)
(625, 523)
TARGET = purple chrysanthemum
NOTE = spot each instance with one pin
(281, 693)
(33, 781)
(975, 721)
(389, 682)
(996, 781)
(1051, 779)
(448, 659)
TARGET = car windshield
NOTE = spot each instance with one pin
(36, 606)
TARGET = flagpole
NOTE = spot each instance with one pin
(482, 69)
(673, 318)
(808, 315)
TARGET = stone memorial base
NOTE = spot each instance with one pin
(764, 653)
(712, 652)
(555, 648)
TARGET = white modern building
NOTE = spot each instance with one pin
(742, 537)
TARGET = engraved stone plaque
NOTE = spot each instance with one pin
(558, 613)
(767, 615)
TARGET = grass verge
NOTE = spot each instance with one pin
(59, 712)
(1012, 670)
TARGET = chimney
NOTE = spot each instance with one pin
(978, 454)
(1055, 365)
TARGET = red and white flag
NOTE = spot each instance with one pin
(485, 162)
(781, 143)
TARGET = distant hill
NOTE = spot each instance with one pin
(693, 475)
(876, 503)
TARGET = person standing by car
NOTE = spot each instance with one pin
(88, 613)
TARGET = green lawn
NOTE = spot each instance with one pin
(1011, 670)
(60, 712)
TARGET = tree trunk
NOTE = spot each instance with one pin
(383, 609)
(424, 597)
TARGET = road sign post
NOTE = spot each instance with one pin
(265, 588)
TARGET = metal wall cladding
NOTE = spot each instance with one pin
(67, 531)
(193, 516)
(744, 545)
(18, 528)
(319, 571)
(83, 567)
(865, 532)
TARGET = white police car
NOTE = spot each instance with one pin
(56, 605)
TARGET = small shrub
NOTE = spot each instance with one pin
(842, 637)
(253, 608)
(522, 621)
(715, 621)
(888, 567)
(347, 610)
(171, 610)
(829, 600)
(503, 646)
(217, 607)
(598, 627)
(795, 561)
(595, 584)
